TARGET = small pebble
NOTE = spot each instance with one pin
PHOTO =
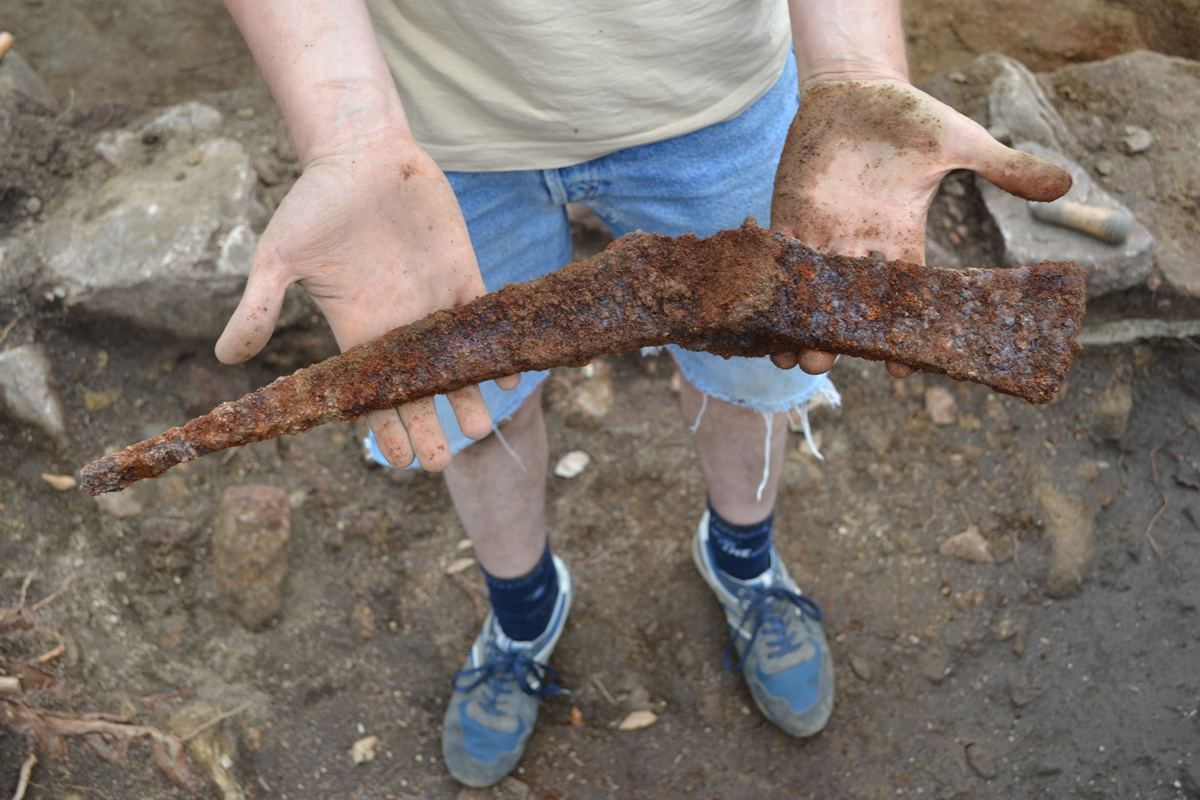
(941, 406)
(194, 158)
(32, 206)
(981, 761)
(572, 464)
(967, 546)
(861, 667)
(245, 112)
(1136, 140)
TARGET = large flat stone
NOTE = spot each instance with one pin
(147, 247)
(1027, 240)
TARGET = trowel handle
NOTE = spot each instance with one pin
(1111, 225)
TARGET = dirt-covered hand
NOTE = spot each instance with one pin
(862, 163)
(375, 235)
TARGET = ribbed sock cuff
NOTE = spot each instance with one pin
(524, 605)
(740, 551)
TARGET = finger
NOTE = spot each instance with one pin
(425, 433)
(471, 412)
(391, 437)
(784, 360)
(509, 382)
(254, 320)
(814, 362)
(1018, 173)
(899, 370)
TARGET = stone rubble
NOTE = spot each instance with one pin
(27, 389)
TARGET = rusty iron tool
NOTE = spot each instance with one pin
(744, 292)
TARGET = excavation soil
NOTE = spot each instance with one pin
(955, 678)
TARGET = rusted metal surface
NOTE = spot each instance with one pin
(745, 292)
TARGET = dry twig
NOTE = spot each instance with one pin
(1166, 501)
(8, 328)
(50, 655)
(24, 589)
(54, 595)
(215, 720)
(151, 700)
(23, 781)
(604, 691)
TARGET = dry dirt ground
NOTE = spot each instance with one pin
(955, 679)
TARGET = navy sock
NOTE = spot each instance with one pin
(524, 605)
(740, 551)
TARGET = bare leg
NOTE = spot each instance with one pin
(731, 442)
(501, 506)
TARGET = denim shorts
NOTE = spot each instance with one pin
(699, 183)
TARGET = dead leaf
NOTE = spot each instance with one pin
(363, 750)
(576, 718)
(460, 565)
(638, 720)
(63, 483)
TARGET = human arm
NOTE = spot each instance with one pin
(372, 229)
(867, 151)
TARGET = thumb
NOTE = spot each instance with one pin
(252, 324)
(1022, 174)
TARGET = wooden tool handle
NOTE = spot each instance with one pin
(1112, 225)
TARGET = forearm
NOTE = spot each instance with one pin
(325, 69)
(848, 39)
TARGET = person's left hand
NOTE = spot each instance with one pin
(861, 165)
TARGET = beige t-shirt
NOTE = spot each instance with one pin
(527, 84)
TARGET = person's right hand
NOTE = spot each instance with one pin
(374, 233)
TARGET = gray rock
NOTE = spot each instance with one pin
(1136, 140)
(250, 550)
(1028, 240)
(934, 664)
(981, 761)
(119, 505)
(1021, 689)
(514, 788)
(27, 387)
(1017, 103)
(1069, 521)
(190, 121)
(861, 666)
(148, 245)
(119, 147)
(19, 83)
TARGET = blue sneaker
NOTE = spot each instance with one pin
(778, 640)
(496, 696)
